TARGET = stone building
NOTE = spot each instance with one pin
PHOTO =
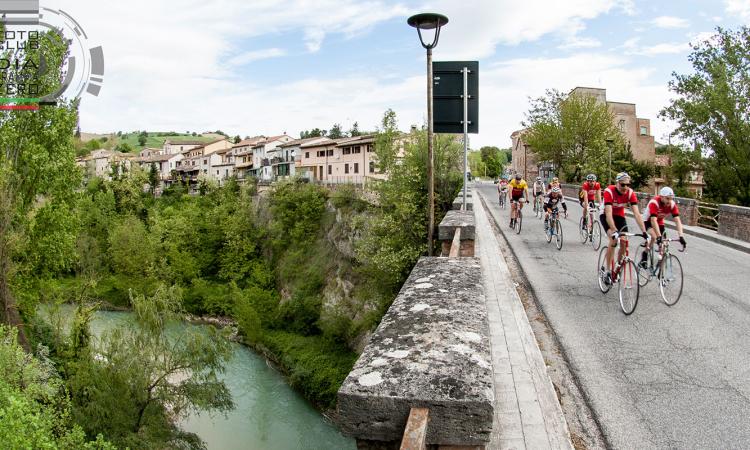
(635, 130)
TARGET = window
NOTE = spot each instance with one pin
(217, 173)
(226, 172)
(357, 150)
(622, 125)
(307, 154)
(205, 161)
(346, 150)
(369, 148)
(330, 152)
(346, 168)
(372, 167)
(356, 167)
(321, 154)
(644, 130)
(320, 171)
(330, 168)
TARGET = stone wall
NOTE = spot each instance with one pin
(431, 350)
(734, 221)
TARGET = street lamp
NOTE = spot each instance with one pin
(429, 21)
(610, 144)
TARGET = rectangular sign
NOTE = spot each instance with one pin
(447, 96)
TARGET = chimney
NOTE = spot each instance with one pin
(413, 128)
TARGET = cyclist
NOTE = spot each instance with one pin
(554, 182)
(658, 208)
(518, 189)
(593, 191)
(538, 188)
(502, 189)
(552, 200)
(616, 198)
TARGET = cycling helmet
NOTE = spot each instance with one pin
(555, 180)
(556, 190)
(666, 191)
(538, 178)
(518, 176)
(622, 176)
(591, 177)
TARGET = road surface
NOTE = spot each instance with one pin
(664, 377)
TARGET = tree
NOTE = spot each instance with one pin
(153, 178)
(712, 109)
(336, 132)
(315, 132)
(386, 148)
(354, 132)
(34, 409)
(38, 178)
(573, 132)
(136, 384)
(142, 140)
(237, 139)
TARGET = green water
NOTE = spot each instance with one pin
(269, 415)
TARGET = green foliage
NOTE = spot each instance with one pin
(354, 132)
(296, 209)
(143, 377)
(315, 366)
(712, 109)
(315, 132)
(573, 132)
(34, 410)
(131, 252)
(386, 147)
(336, 132)
(38, 178)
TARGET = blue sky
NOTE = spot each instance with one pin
(268, 66)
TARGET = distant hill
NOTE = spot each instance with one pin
(155, 139)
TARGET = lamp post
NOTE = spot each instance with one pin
(610, 144)
(429, 21)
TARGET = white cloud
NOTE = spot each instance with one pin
(658, 49)
(171, 67)
(579, 42)
(255, 55)
(475, 32)
(670, 22)
(738, 7)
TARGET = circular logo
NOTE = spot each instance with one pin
(83, 71)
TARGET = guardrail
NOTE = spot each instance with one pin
(708, 215)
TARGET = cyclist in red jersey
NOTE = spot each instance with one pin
(593, 191)
(616, 198)
(658, 208)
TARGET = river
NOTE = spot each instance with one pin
(269, 415)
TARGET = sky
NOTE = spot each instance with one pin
(265, 67)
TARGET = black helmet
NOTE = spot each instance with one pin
(518, 176)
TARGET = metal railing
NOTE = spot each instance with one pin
(708, 215)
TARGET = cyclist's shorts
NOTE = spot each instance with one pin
(592, 204)
(537, 193)
(620, 223)
(516, 198)
(648, 226)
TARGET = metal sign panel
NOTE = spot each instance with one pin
(447, 96)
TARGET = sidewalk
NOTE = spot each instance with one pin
(527, 412)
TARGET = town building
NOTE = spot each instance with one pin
(263, 151)
(636, 132)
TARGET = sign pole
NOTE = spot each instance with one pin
(466, 128)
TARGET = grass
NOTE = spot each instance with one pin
(156, 139)
(315, 365)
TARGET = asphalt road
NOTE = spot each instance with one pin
(664, 377)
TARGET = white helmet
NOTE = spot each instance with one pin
(666, 191)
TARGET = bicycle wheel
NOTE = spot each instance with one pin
(548, 232)
(628, 287)
(558, 234)
(596, 236)
(601, 269)
(519, 220)
(540, 208)
(583, 231)
(670, 280)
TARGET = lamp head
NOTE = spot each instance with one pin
(428, 21)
